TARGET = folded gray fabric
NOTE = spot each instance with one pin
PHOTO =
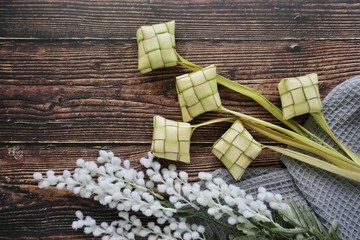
(330, 196)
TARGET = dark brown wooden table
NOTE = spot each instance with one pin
(69, 85)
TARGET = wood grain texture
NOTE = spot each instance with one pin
(60, 157)
(69, 85)
(92, 92)
(231, 19)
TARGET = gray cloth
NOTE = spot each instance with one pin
(328, 195)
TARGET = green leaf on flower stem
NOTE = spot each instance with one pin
(333, 230)
(288, 231)
(288, 224)
(246, 238)
(303, 217)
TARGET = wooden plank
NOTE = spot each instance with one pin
(201, 19)
(32, 213)
(19, 161)
(92, 91)
(69, 85)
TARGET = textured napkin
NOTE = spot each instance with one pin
(328, 195)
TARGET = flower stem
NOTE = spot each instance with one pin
(321, 151)
(259, 98)
(249, 92)
(320, 119)
(293, 139)
(204, 215)
(212, 121)
(317, 163)
(315, 137)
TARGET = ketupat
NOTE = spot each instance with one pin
(171, 140)
(300, 95)
(236, 149)
(198, 93)
(156, 46)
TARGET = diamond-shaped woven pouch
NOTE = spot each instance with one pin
(236, 149)
(156, 46)
(299, 95)
(171, 139)
(198, 92)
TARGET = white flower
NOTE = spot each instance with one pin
(229, 200)
(195, 235)
(66, 174)
(50, 173)
(187, 236)
(219, 181)
(37, 176)
(126, 164)
(75, 225)
(114, 183)
(173, 225)
(173, 199)
(274, 205)
(269, 197)
(179, 205)
(200, 229)
(248, 214)
(183, 176)
(60, 185)
(232, 220)
(212, 211)
(278, 197)
(182, 225)
(157, 178)
(215, 194)
(205, 176)
(186, 190)
(44, 184)
(80, 162)
(161, 188)
(261, 190)
(261, 196)
(110, 155)
(145, 162)
(91, 166)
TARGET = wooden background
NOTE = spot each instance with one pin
(69, 85)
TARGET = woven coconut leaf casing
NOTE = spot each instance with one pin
(236, 149)
(156, 46)
(198, 92)
(300, 95)
(171, 139)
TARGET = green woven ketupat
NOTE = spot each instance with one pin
(300, 95)
(236, 149)
(171, 140)
(156, 46)
(198, 92)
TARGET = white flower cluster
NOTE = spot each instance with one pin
(164, 194)
(114, 183)
(217, 199)
(229, 202)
